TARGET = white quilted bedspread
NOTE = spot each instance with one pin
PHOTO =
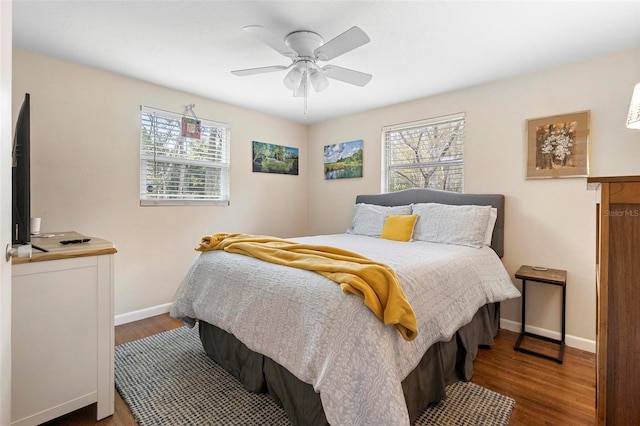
(333, 341)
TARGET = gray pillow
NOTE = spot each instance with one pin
(448, 224)
(368, 219)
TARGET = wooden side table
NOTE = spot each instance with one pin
(544, 276)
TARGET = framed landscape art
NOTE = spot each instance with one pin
(558, 146)
(343, 160)
(270, 158)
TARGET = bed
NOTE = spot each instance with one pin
(321, 354)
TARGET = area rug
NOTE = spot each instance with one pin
(167, 379)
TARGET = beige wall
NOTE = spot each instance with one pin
(85, 154)
(85, 173)
(548, 222)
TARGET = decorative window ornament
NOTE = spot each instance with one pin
(190, 126)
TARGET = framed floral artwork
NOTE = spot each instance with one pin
(558, 146)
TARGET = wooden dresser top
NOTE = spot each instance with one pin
(602, 179)
(95, 247)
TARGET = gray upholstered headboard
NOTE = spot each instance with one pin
(424, 195)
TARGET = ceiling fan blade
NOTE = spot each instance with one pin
(345, 42)
(260, 70)
(348, 76)
(267, 37)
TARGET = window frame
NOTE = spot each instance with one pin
(430, 122)
(222, 167)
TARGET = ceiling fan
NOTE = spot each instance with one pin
(305, 49)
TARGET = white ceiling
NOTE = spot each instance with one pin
(417, 48)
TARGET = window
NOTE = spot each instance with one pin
(424, 154)
(179, 170)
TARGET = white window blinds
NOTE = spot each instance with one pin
(179, 170)
(424, 154)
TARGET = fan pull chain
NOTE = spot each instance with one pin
(304, 81)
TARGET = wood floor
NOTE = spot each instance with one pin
(546, 393)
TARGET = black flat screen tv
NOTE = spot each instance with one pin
(21, 176)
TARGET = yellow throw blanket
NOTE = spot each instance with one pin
(375, 282)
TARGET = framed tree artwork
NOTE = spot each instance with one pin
(558, 146)
(271, 158)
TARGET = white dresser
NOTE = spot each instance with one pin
(62, 332)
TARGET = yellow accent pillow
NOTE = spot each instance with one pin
(399, 227)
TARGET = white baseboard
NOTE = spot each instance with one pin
(573, 341)
(142, 314)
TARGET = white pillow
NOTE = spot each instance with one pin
(368, 219)
(448, 224)
(493, 215)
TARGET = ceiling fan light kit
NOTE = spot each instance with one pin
(318, 80)
(305, 49)
(293, 78)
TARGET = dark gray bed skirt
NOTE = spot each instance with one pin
(443, 363)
